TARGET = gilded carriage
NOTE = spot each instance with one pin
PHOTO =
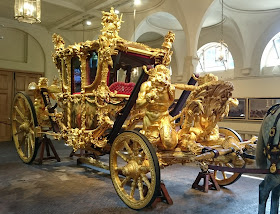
(135, 121)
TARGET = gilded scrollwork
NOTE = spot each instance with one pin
(90, 112)
(207, 104)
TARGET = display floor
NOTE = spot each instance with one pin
(65, 187)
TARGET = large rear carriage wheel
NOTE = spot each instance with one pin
(134, 170)
(24, 121)
(226, 178)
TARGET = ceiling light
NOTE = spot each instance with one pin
(117, 12)
(88, 23)
(222, 48)
(28, 11)
(137, 2)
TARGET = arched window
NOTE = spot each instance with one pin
(271, 56)
(209, 61)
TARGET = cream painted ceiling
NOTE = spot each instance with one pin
(70, 14)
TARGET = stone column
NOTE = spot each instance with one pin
(189, 68)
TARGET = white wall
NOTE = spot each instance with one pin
(246, 34)
(22, 51)
(254, 87)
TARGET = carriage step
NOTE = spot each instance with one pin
(207, 177)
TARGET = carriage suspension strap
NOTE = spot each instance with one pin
(272, 152)
(47, 102)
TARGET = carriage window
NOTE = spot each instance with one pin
(135, 74)
(92, 61)
(127, 67)
(128, 74)
(76, 74)
(121, 75)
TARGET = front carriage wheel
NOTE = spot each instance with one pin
(226, 178)
(24, 121)
(134, 170)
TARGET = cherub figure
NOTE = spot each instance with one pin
(58, 42)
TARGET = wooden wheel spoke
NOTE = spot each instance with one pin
(224, 174)
(140, 187)
(15, 119)
(20, 113)
(142, 155)
(22, 141)
(25, 146)
(145, 169)
(118, 169)
(135, 148)
(124, 181)
(123, 156)
(31, 140)
(132, 162)
(215, 174)
(146, 180)
(223, 177)
(30, 149)
(21, 104)
(140, 158)
(20, 131)
(128, 149)
(132, 189)
(24, 121)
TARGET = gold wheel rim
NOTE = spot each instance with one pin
(225, 178)
(23, 128)
(133, 170)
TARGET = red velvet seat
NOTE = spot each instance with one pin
(122, 87)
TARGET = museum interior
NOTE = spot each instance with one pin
(237, 41)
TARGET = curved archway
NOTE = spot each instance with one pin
(155, 40)
(211, 31)
(25, 54)
(209, 61)
(270, 60)
(151, 31)
(267, 45)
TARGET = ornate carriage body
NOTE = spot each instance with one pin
(100, 115)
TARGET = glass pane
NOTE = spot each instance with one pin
(276, 43)
(208, 60)
(92, 62)
(128, 67)
(76, 75)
